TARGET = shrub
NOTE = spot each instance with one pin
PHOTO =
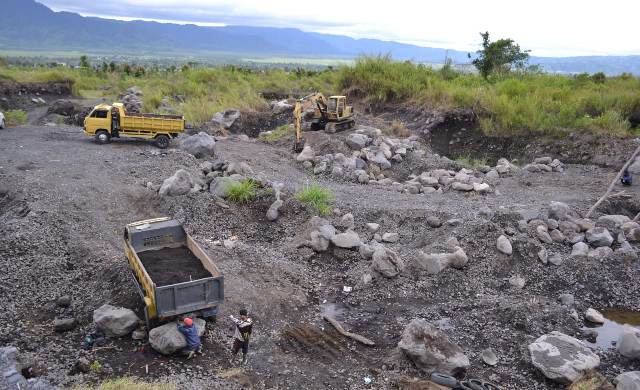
(469, 162)
(243, 192)
(398, 129)
(277, 133)
(317, 197)
(15, 117)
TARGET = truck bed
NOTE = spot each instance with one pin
(168, 266)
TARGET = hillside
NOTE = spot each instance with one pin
(31, 26)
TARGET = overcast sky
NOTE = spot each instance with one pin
(547, 27)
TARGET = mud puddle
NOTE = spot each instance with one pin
(615, 321)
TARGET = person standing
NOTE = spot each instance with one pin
(115, 122)
(242, 334)
(188, 329)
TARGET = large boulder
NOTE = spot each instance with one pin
(64, 107)
(200, 145)
(220, 186)
(628, 381)
(612, 222)
(387, 262)
(599, 236)
(167, 339)
(280, 107)
(307, 154)
(115, 321)
(431, 350)
(225, 119)
(562, 358)
(178, 184)
(348, 239)
(357, 141)
(629, 343)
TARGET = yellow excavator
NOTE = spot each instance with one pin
(331, 115)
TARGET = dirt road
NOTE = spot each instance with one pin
(64, 201)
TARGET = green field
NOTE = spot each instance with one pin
(510, 104)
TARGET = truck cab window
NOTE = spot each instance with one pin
(99, 114)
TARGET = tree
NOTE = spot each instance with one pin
(84, 62)
(104, 67)
(500, 56)
(112, 67)
(126, 68)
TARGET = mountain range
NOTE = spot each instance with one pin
(27, 25)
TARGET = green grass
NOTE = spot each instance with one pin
(277, 133)
(510, 105)
(15, 117)
(471, 163)
(318, 197)
(243, 192)
(127, 384)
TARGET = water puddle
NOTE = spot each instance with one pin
(615, 321)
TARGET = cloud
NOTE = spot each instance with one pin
(547, 27)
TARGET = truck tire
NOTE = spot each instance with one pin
(2, 124)
(103, 137)
(162, 141)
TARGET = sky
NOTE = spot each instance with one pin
(552, 28)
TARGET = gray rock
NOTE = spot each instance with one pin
(390, 237)
(558, 210)
(574, 238)
(626, 252)
(220, 186)
(556, 259)
(568, 226)
(543, 256)
(366, 251)
(580, 251)
(628, 381)
(167, 339)
(307, 154)
(307, 165)
(629, 226)
(387, 262)
(612, 222)
(64, 301)
(320, 168)
(543, 160)
(280, 107)
(599, 236)
(178, 184)
(139, 334)
(200, 145)
(489, 357)
(553, 224)
(517, 281)
(594, 316)
(482, 188)
(274, 210)
(373, 227)
(318, 242)
(567, 299)
(600, 254)
(347, 221)
(431, 350)
(562, 358)
(225, 119)
(629, 343)
(504, 245)
(357, 141)
(557, 236)
(64, 324)
(115, 321)
(458, 186)
(541, 233)
(239, 168)
(348, 239)
(436, 262)
(434, 222)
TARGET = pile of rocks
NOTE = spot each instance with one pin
(372, 153)
(132, 100)
(545, 164)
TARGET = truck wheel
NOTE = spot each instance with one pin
(162, 141)
(2, 124)
(103, 137)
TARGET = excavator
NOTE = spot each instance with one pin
(331, 115)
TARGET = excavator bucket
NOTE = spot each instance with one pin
(298, 145)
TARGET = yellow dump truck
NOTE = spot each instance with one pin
(103, 124)
(172, 274)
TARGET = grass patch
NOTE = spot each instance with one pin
(471, 163)
(127, 384)
(15, 117)
(318, 197)
(243, 192)
(277, 133)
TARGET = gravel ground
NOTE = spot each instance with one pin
(64, 201)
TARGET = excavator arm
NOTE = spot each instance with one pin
(297, 114)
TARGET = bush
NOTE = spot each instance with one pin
(15, 117)
(243, 192)
(317, 197)
(398, 129)
(127, 384)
